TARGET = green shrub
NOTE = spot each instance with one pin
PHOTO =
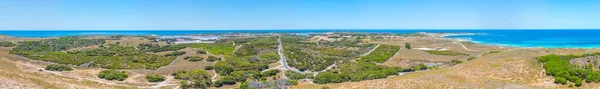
(197, 79)
(293, 82)
(113, 75)
(227, 80)
(155, 78)
(180, 75)
(270, 73)
(564, 72)
(294, 75)
(200, 51)
(218, 83)
(194, 58)
(208, 67)
(420, 67)
(356, 72)
(578, 83)
(560, 80)
(381, 54)
(7, 44)
(407, 46)
(456, 62)
(213, 58)
(58, 67)
(176, 53)
(471, 58)
(111, 57)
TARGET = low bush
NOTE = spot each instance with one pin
(113, 75)
(176, 53)
(58, 67)
(7, 44)
(155, 78)
(213, 58)
(194, 58)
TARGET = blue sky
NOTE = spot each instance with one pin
(299, 14)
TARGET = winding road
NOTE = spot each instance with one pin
(283, 58)
(465, 47)
(371, 50)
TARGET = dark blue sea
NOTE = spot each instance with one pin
(566, 38)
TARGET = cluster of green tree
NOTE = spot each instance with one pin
(247, 62)
(157, 48)
(194, 58)
(381, 54)
(559, 67)
(212, 58)
(200, 51)
(295, 75)
(209, 67)
(445, 52)
(50, 45)
(418, 67)
(350, 71)
(148, 47)
(270, 73)
(456, 62)
(407, 46)
(112, 57)
(194, 79)
(58, 67)
(176, 53)
(155, 78)
(58, 57)
(111, 51)
(7, 44)
(312, 56)
(147, 61)
(302, 60)
(237, 64)
(113, 75)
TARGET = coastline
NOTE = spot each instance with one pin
(466, 36)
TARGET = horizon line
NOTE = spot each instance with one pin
(293, 29)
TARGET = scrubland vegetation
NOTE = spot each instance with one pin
(58, 67)
(7, 44)
(350, 71)
(194, 58)
(194, 79)
(176, 53)
(155, 78)
(381, 54)
(111, 56)
(312, 56)
(113, 75)
(565, 72)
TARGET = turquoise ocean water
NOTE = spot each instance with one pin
(555, 38)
